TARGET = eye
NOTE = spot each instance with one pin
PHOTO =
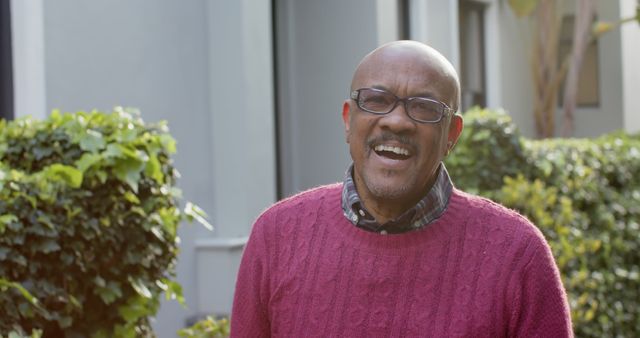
(376, 101)
(425, 110)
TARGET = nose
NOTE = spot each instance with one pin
(398, 119)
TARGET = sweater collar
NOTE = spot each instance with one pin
(427, 210)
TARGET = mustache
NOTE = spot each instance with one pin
(389, 136)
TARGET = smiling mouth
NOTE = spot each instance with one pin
(392, 152)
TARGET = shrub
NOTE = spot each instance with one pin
(88, 218)
(207, 328)
(489, 149)
(584, 195)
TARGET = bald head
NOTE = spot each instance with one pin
(414, 63)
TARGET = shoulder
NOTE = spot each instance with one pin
(305, 202)
(307, 199)
(498, 220)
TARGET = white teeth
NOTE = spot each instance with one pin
(396, 150)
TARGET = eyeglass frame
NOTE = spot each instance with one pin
(446, 110)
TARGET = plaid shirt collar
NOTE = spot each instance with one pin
(427, 210)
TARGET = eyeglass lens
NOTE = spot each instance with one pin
(382, 102)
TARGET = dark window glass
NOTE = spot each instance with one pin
(6, 67)
(588, 84)
(472, 54)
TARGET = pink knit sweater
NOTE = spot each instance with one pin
(480, 270)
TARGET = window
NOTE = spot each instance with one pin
(588, 85)
(472, 54)
(6, 67)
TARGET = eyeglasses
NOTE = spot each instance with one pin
(419, 109)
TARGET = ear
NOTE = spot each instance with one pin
(455, 129)
(346, 107)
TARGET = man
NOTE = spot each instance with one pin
(396, 250)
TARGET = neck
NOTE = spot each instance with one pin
(387, 209)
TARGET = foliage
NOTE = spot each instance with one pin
(88, 219)
(584, 195)
(489, 149)
(207, 328)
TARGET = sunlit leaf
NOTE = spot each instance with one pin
(65, 173)
(153, 169)
(92, 141)
(198, 214)
(140, 288)
(87, 161)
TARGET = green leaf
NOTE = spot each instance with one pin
(129, 170)
(194, 212)
(87, 161)
(153, 169)
(135, 308)
(99, 281)
(65, 173)
(140, 287)
(65, 321)
(168, 142)
(6, 220)
(47, 246)
(523, 8)
(25, 293)
(92, 141)
(131, 197)
(110, 292)
(173, 290)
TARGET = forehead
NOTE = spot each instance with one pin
(408, 71)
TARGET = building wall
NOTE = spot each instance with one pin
(516, 84)
(608, 116)
(516, 90)
(151, 55)
(630, 62)
(319, 46)
(28, 58)
(203, 66)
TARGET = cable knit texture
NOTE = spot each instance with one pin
(480, 270)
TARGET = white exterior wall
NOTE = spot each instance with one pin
(206, 67)
(28, 58)
(151, 55)
(241, 101)
(608, 115)
(630, 36)
(319, 46)
(435, 23)
(516, 88)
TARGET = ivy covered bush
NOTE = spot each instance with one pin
(583, 194)
(88, 218)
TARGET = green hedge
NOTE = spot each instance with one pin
(583, 194)
(88, 218)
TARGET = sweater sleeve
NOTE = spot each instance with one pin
(539, 301)
(249, 315)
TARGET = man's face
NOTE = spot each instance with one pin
(396, 158)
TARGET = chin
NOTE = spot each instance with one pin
(386, 189)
